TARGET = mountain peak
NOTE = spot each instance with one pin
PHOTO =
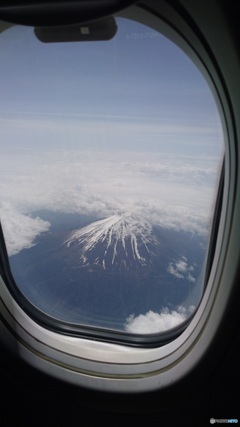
(123, 239)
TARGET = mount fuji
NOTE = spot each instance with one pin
(121, 242)
(99, 272)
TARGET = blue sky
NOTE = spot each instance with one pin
(141, 79)
(91, 127)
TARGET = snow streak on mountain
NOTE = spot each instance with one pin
(121, 241)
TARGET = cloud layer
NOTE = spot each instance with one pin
(153, 322)
(20, 230)
(174, 191)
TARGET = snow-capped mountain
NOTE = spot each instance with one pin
(102, 273)
(121, 241)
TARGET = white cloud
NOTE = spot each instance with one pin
(83, 170)
(181, 265)
(20, 230)
(181, 270)
(153, 322)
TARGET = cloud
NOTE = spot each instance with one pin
(181, 270)
(46, 178)
(80, 168)
(153, 322)
(20, 230)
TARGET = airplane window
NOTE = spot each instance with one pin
(111, 153)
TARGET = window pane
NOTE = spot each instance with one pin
(110, 160)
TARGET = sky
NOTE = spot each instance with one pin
(94, 127)
(98, 127)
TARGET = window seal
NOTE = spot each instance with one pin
(215, 225)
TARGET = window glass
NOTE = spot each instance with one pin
(110, 159)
